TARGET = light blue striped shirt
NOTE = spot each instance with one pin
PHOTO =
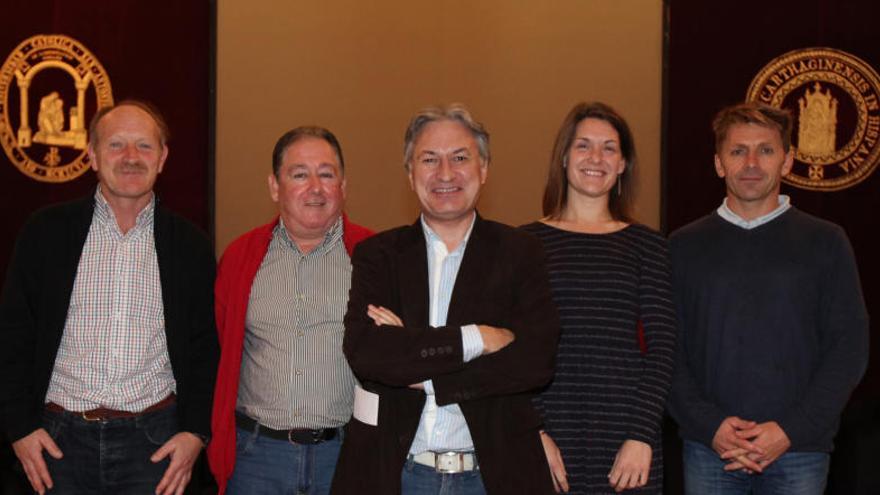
(726, 213)
(443, 429)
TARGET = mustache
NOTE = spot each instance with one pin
(132, 167)
(751, 174)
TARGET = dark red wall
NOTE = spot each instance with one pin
(157, 50)
(160, 51)
(714, 51)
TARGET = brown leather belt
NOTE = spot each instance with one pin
(102, 413)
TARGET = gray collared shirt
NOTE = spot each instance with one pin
(293, 371)
(726, 213)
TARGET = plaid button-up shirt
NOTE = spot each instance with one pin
(113, 351)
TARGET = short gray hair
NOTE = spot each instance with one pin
(455, 112)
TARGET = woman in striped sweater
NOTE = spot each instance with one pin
(611, 281)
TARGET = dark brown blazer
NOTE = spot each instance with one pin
(502, 282)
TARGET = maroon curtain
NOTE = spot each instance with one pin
(159, 51)
(156, 50)
(714, 51)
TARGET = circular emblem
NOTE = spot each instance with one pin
(833, 97)
(50, 86)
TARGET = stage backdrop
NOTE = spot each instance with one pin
(715, 52)
(362, 69)
(63, 60)
(158, 51)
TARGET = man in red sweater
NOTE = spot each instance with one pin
(284, 389)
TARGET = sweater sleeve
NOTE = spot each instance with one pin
(698, 418)
(192, 328)
(19, 334)
(657, 314)
(844, 340)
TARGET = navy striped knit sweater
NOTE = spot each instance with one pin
(606, 390)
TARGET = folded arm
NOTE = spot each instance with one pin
(527, 363)
(387, 353)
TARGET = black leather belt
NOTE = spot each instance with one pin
(303, 436)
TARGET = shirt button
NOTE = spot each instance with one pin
(424, 353)
(299, 372)
(299, 334)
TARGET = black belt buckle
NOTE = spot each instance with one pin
(311, 437)
(295, 436)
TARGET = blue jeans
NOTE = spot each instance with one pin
(803, 473)
(264, 465)
(110, 456)
(417, 479)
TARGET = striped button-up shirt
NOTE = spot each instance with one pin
(293, 371)
(113, 351)
(444, 428)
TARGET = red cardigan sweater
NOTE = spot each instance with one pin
(232, 289)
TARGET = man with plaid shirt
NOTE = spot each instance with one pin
(108, 347)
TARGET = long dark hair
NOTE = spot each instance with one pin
(556, 190)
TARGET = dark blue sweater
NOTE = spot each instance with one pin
(772, 326)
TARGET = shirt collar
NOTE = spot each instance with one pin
(104, 213)
(333, 235)
(726, 213)
(433, 240)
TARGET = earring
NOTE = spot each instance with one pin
(564, 162)
(618, 184)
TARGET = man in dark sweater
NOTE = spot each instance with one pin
(773, 330)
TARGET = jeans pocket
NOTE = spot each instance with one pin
(244, 441)
(159, 427)
(53, 423)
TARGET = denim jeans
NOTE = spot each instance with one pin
(267, 466)
(417, 479)
(803, 473)
(109, 456)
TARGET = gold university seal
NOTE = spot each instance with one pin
(833, 97)
(39, 77)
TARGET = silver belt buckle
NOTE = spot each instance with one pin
(449, 462)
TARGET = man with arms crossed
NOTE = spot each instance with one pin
(284, 388)
(773, 330)
(450, 326)
(107, 333)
